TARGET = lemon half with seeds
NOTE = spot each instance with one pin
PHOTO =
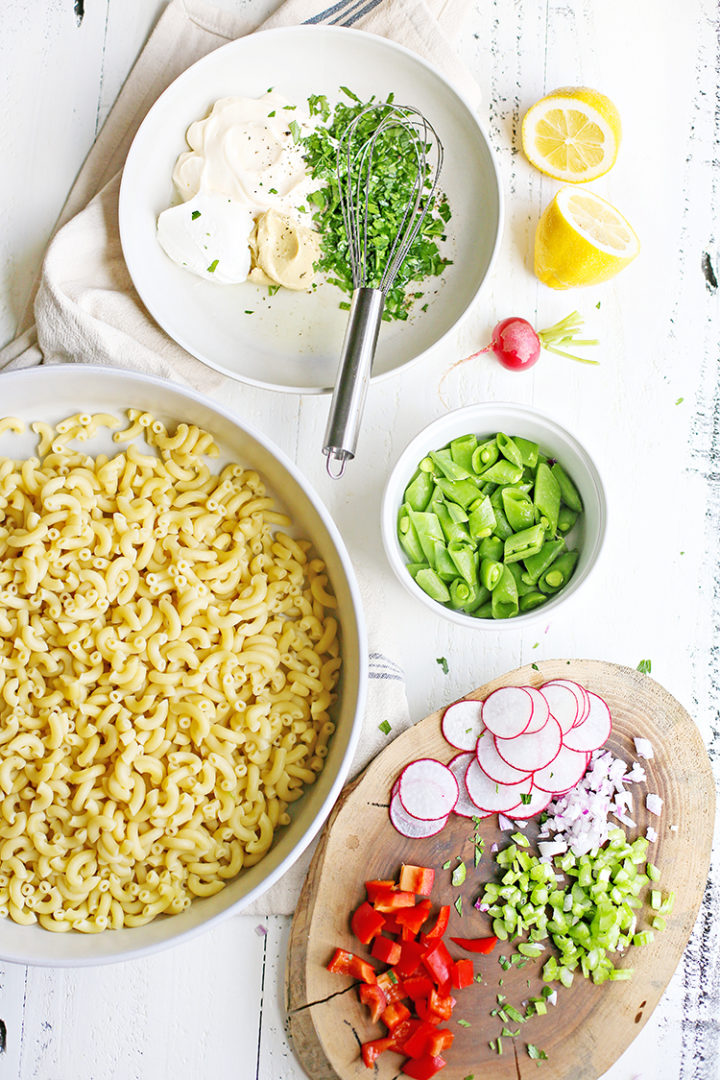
(572, 134)
(582, 239)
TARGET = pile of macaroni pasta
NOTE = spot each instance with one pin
(168, 658)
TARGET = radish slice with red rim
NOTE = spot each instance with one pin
(491, 763)
(411, 826)
(491, 796)
(428, 790)
(534, 751)
(595, 728)
(579, 693)
(562, 773)
(541, 710)
(539, 799)
(462, 723)
(564, 704)
(507, 711)
(464, 807)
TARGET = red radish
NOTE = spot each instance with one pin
(541, 710)
(564, 704)
(462, 723)
(428, 790)
(491, 796)
(534, 751)
(562, 773)
(491, 763)
(580, 694)
(410, 826)
(595, 728)
(538, 801)
(507, 711)
(464, 807)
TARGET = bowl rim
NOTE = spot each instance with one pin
(417, 447)
(125, 196)
(356, 616)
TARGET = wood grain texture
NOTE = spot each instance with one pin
(592, 1025)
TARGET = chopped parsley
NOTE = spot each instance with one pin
(195, 215)
(526, 798)
(272, 191)
(464, 1023)
(272, 289)
(213, 266)
(350, 94)
(645, 667)
(385, 727)
(273, 113)
(680, 401)
(295, 130)
(443, 664)
(458, 906)
(446, 865)
(534, 667)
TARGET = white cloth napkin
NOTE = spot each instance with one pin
(86, 310)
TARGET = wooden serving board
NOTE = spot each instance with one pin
(591, 1025)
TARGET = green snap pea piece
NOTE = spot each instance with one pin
(509, 449)
(518, 507)
(559, 573)
(429, 532)
(465, 560)
(482, 519)
(524, 543)
(430, 583)
(532, 600)
(462, 451)
(485, 611)
(460, 592)
(474, 596)
(426, 465)
(442, 563)
(504, 472)
(536, 565)
(566, 518)
(568, 492)
(419, 491)
(522, 588)
(485, 455)
(415, 567)
(504, 602)
(456, 512)
(462, 492)
(491, 547)
(408, 537)
(528, 450)
(454, 531)
(448, 466)
(490, 573)
(547, 496)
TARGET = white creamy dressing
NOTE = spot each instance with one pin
(244, 187)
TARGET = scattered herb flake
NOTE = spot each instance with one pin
(536, 645)
(213, 266)
(645, 667)
(535, 1053)
(458, 906)
(534, 667)
(272, 289)
(446, 865)
(295, 130)
(385, 727)
(680, 401)
(526, 798)
(195, 215)
(464, 1023)
(272, 191)
(271, 114)
(247, 312)
(459, 874)
(443, 664)
(350, 94)
(598, 305)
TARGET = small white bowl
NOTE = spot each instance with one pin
(555, 441)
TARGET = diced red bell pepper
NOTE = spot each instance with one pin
(387, 951)
(423, 1068)
(417, 879)
(426, 1013)
(374, 998)
(482, 945)
(372, 888)
(411, 954)
(392, 926)
(347, 963)
(439, 1040)
(391, 986)
(366, 922)
(414, 917)
(394, 1014)
(438, 961)
(462, 974)
(440, 925)
(418, 986)
(372, 1050)
(441, 1005)
(392, 899)
(417, 1044)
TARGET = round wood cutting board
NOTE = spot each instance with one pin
(591, 1025)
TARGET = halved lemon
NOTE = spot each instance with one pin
(572, 134)
(582, 239)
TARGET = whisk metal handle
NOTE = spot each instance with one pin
(348, 400)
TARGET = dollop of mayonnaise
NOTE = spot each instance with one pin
(247, 149)
(208, 235)
(283, 251)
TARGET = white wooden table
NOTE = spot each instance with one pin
(650, 415)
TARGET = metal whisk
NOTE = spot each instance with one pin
(356, 170)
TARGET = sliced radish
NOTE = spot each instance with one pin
(490, 795)
(533, 751)
(579, 693)
(562, 773)
(507, 711)
(428, 790)
(491, 763)
(539, 799)
(462, 723)
(464, 807)
(411, 826)
(541, 710)
(564, 704)
(595, 728)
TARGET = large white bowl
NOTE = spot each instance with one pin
(486, 420)
(49, 394)
(292, 341)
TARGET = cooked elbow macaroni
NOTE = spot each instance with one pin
(168, 658)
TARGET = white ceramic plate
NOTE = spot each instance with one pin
(51, 393)
(292, 341)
